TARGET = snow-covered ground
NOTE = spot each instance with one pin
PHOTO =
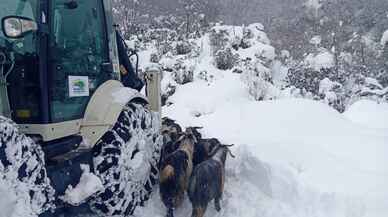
(368, 113)
(295, 157)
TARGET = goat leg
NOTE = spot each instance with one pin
(170, 212)
(217, 204)
(199, 211)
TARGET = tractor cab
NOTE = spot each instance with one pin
(57, 54)
(60, 82)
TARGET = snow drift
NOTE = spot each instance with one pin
(295, 157)
(306, 158)
(368, 113)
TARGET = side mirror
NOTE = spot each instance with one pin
(18, 27)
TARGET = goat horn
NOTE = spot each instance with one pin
(231, 154)
(215, 150)
(227, 146)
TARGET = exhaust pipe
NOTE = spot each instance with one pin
(153, 78)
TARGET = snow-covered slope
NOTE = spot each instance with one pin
(368, 113)
(313, 146)
(294, 157)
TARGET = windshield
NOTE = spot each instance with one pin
(24, 8)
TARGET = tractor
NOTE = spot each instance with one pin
(73, 138)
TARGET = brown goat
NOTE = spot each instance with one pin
(176, 170)
(207, 181)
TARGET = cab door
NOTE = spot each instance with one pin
(78, 50)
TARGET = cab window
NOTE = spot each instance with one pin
(78, 48)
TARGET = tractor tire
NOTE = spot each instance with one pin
(126, 160)
(24, 186)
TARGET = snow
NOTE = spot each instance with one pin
(314, 4)
(257, 26)
(316, 40)
(338, 166)
(88, 185)
(368, 113)
(327, 85)
(123, 95)
(295, 157)
(8, 200)
(373, 83)
(266, 51)
(320, 61)
(279, 73)
(384, 38)
(21, 154)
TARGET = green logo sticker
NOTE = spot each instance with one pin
(78, 86)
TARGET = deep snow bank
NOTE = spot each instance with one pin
(294, 157)
(257, 189)
(368, 113)
(332, 158)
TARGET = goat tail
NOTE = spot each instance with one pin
(167, 173)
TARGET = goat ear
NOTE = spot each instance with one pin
(165, 131)
(194, 138)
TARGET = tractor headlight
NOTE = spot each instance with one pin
(17, 27)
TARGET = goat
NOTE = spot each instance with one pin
(170, 133)
(207, 181)
(170, 128)
(203, 147)
(176, 170)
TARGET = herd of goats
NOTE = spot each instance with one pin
(192, 164)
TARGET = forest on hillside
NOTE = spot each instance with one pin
(338, 44)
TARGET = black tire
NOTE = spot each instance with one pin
(23, 176)
(126, 160)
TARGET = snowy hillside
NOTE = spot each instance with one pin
(295, 157)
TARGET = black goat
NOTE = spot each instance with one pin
(203, 147)
(207, 181)
(170, 133)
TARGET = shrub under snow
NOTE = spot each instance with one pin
(258, 80)
(332, 93)
(321, 60)
(225, 59)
